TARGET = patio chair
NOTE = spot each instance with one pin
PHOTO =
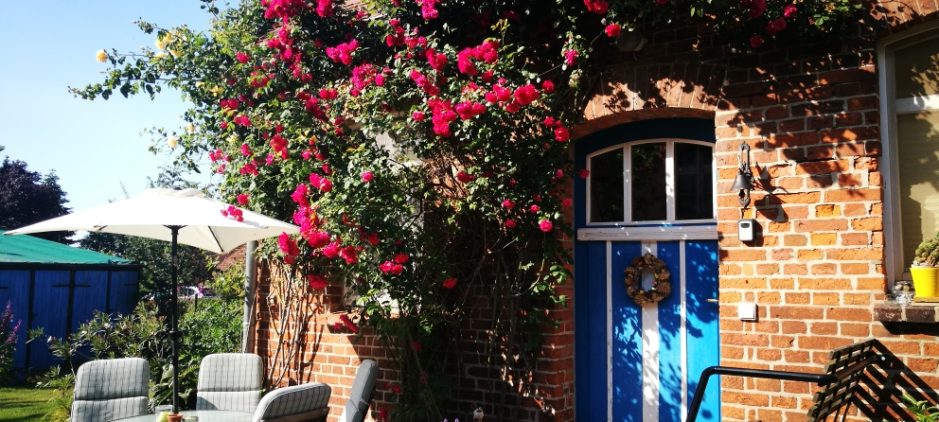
(361, 393)
(110, 389)
(298, 403)
(229, 381)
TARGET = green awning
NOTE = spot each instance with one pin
(29, 249)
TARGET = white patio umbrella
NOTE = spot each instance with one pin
(177, 216)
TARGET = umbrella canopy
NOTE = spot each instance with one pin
(177, 216)
(148, 214)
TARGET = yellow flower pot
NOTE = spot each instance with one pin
(924, 281)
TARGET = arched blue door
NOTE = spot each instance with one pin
(649, 190)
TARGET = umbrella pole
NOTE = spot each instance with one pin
(174, 324)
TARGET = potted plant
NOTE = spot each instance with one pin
(925, 268)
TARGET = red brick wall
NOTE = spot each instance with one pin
(332, 356)
(328, 355)
(811, 116)
(810, 113)
(812, 122)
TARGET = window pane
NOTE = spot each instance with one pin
(693, 186)
(918, 147)
(606, 187)
(917, 72)
(648, 182)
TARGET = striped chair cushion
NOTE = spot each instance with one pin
(229, 381)
(303, 402)
(361, 393)
(110, 389)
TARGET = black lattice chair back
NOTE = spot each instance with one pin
(869, 378)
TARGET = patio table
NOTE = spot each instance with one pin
(204, 416)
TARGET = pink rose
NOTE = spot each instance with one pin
(597, 6)
(546, 225)
(389, 267)
(526, 94)
(349, 254)
(775, 25)
(299, 195)
(464, 62)
(371, 238)
(612, 30)
(449, 283)
(756, 40)
(233, 213)
(331, 250)
(289, 247)
(561, 134)
(316, 238)
(428, 9)
(547, 86)
(570, 57)
(317, 282)
(324, 8)
(436, 60)
(465, 177)
(242, 120)
(402, 258)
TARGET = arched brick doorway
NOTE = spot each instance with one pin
(650, 190)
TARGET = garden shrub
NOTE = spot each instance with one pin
(8, 337)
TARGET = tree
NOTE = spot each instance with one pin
(194, 264)
(27, 197)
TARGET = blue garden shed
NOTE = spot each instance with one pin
(59, 287)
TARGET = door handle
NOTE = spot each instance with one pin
(712, 300)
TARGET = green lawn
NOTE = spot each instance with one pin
(22, 404)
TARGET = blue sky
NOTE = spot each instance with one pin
(94, 147)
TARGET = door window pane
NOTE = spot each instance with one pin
(606, 187)
(648, 182)
(693, 186)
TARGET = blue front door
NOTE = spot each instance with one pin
(649, 190)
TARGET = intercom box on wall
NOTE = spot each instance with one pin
(746, 229)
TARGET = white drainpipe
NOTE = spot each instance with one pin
(247, 333)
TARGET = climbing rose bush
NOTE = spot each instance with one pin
(420, 145)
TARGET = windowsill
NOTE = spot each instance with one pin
(912, 313)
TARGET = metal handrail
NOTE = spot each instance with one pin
(819, 379)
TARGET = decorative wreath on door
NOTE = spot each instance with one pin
(661, 286)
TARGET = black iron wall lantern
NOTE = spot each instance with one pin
(743, 184)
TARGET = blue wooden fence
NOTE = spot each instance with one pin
(59, 298)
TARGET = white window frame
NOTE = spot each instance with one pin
(670, 220)
(890, 107)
